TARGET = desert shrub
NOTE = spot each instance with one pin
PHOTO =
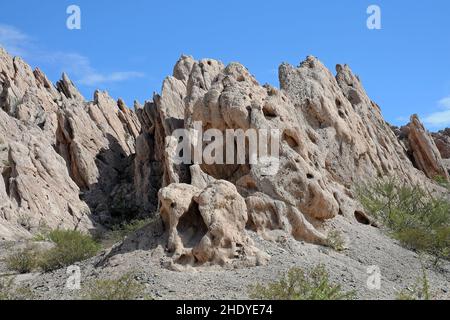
(70, 247)
(335, 240)
(120, 231)
(10, 292)
(297, 284)
(419, 220)
(123, 288)
(442, 181)
(23, 261)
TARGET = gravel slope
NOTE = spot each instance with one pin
(143, 254)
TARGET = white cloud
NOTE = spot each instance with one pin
(445, 102)
(94, 79)
(77, 66)
(13, 40)
(440, 119)
(402, 119)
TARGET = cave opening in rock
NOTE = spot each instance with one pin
(191, 226)
(269, 113)
(362, 218)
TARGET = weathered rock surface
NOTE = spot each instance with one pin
(65, 162)
(442, 141)
(423, 150)
(207, 226)
(36, 190)
(332, 137)
(97, 141)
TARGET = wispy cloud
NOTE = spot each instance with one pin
(79, 67)
(445, 102)
(76, 65)
(13, 40)
(440, 118)
(402, 119)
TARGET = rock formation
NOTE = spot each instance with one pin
(333, 137)
(207, 226)
(65, 162)
(442, 141)
(71, 163)
(422, 148)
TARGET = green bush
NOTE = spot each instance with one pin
(23, 261)
(419, 220)
(70, 247)
(123, 288)
(297, 284)
(9, 292)
(120, 231)
(442, 181)
(335, 240)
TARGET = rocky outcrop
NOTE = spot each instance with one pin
(332, 137)
(442, 141)
(66, 162)
(27, 95)
(71, 163)
(36, 190)
(423, 151)
(207, 226)
(97, 141)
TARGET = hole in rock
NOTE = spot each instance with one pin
(291, 141)
(269, 113)
(271, 92)
(362, 218)
(251, 185)
(185, 260)
(191, 226)
(310, 176)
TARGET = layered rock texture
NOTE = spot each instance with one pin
(442, 140)
(423, 149)
(67, 162)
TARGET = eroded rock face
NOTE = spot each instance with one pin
(65, 162)
(207, 226)
(332, 138)
(36, 190)
(442, 141)
(97, 141)
(423, 150)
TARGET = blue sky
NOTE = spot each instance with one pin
(128, 47)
